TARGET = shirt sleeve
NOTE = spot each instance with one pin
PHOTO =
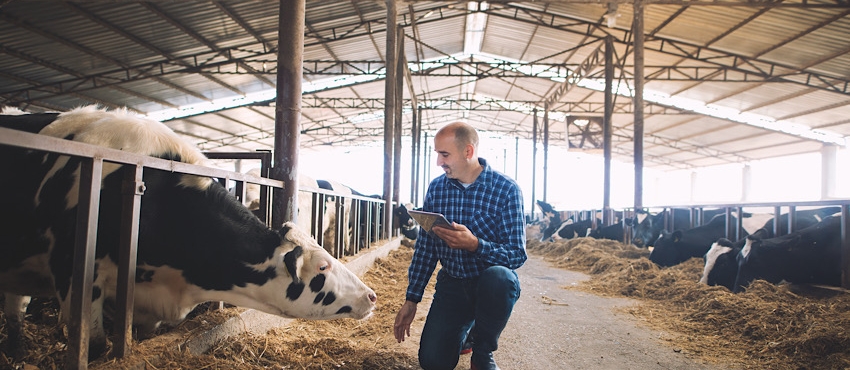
(423, 263)
(509, 249)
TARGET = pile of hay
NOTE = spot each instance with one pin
(768, 326)
(304, 344)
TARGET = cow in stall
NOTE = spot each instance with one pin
(549, 216)
(808, 256)
(647, 227)
(681, 245)
(721, 265)
(610, 232)
(402, 220)
(196, 243)
(562, 229)
(571, 229)
(328, 229)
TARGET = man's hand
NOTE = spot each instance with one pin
(403, 319)
(457, 237)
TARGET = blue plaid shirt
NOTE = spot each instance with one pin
(492, 208)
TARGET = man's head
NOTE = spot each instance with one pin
(456, 145)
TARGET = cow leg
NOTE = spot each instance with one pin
(97, 336)
(14, 308)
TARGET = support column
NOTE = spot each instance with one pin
(516, 163)
(290, 57)
(389, 112)
(534, 160)
(399, 105)
(606, 130)
(829, 172)
(637, 30)
(414, 155)
(545, 149)
(693, 186)
(746, 183)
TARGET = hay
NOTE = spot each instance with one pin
(304, 344)
(767, 326)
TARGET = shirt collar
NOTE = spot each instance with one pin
(482, 180)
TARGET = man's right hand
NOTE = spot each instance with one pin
(403, 319)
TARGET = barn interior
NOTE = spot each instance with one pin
(726, 81)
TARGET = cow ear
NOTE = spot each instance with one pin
(285, 229)
(677, 235)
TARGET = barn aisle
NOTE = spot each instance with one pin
(577, 330)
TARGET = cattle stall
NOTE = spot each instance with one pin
(362, 225)
(698, 215)
(133, 165)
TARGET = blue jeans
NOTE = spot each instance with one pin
(486, 301)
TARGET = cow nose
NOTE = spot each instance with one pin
(373, 298)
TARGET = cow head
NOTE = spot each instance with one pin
(409, 227)
(309, 283)
(648, 229)
(721, 265)
(665, 251)
(751, 264)
(552, 231)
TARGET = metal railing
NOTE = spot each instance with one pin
(734, 231)
(93, 158)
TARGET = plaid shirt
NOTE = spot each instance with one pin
(492, 208)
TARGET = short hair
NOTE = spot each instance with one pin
(464, 133)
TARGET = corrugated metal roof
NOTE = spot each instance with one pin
(787, 61)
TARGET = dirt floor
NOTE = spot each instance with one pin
(586, 304)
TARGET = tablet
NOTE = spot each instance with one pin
(427, 220)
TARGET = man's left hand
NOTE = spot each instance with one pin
(457, 237)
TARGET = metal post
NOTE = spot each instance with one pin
(534, 159)
(88, 207)
(516, 160)
(638, 100)
(389, 111)
(133, 189)
(427, 167)
(287, 118)
(606, 129)
(545, 148)
(417, 153)
(845, 246)
(399, 79)
(414, 141)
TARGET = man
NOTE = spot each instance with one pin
(478, 254)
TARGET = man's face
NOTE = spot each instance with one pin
(451, 158)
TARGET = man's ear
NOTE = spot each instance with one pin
(470, 151)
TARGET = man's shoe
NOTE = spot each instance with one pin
(467, 346)
(483, 362)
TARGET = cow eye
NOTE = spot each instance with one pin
(324, 266)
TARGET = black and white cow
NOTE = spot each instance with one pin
(611, 232)
(196, 242)
(648, 227)
(802, 219)
(808, 256)
(681, 245)
(721, 265)
(549, 216)
(569, 229)
(406, 224)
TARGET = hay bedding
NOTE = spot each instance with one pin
(766, 327)
(776, 327)
(304, 344)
